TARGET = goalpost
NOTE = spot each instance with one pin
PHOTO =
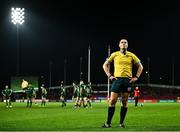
(108, 92)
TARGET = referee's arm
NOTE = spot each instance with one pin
(106, 68)
(139, 69)
(138, 74)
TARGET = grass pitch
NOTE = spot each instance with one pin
(150, 117)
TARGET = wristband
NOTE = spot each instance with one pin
(137, 77)
(109, 76)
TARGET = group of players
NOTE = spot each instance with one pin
(31, 93)
(28, 92)
(82, 94)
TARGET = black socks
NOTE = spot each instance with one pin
(110, 114)
(123, 114)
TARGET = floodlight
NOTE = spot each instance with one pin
(17, 15)
(17, 18)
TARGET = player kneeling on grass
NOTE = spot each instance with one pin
(29, 93)
(44, 95)
(7, 92)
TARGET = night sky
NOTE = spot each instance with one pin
(54, 31)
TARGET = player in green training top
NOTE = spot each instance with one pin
(62, 94)
(122, 79)
(29, 94)
(83, 94)
(44, 95)
(76, 94)
(89, 91)
(7, 92)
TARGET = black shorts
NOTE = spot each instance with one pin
(121, 85)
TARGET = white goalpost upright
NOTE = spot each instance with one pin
(108, 92)
(89, 63)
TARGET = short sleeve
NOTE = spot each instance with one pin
(135, 59)
(111, 58)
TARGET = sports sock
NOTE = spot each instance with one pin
(30, 103)
(27, 103)
(89, 103)
(122, 114)
(64, 103)
(110, 114)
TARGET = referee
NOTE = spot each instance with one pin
(122, 79)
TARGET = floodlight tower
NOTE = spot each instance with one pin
(17, 18)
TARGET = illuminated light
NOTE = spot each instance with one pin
(17, 15)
